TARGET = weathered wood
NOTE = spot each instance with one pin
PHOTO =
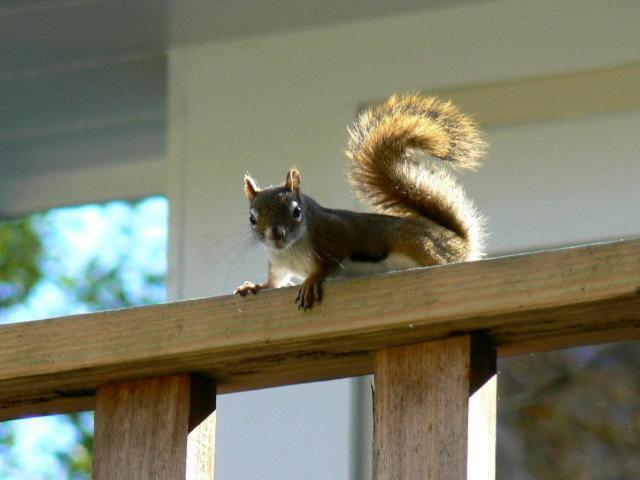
(202, 430)
(425, 425)
(522, 303)
(148, 428)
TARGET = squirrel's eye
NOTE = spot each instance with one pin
(252, 219)
(296, 212)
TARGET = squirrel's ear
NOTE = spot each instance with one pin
(292, 182)
(250, 187)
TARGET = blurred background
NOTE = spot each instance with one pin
(126, 128)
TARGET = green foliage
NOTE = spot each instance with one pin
(77, 462)
(103, 287)
(7, 442)
(7, 438)
(20, 254)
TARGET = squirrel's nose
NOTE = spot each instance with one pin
(276, 233)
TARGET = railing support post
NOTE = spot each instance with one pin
(435, 411)
(160, 428)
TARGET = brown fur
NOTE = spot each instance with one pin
(386, 173)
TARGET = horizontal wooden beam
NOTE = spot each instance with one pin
(518, 304)
(556, 97)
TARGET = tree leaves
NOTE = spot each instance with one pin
(20, 254)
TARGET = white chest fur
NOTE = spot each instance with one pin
(294, 264)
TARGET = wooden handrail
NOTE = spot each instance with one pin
(517, 304)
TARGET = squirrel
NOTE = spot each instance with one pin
(422, 218)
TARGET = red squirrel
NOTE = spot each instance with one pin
(423, 216)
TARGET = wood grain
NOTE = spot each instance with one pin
(519, 304)
(142, 429)
(423, 422)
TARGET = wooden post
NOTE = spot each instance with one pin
(158, 429)
(435, 411)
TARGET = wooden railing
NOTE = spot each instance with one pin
(431, 336)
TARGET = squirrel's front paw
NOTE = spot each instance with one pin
(247, 287)
(309, 293)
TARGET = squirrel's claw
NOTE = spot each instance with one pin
(310, 292)
(245, 288)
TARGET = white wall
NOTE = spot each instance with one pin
(267, 103)
(562, 182)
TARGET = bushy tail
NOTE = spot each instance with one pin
(385, 172)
